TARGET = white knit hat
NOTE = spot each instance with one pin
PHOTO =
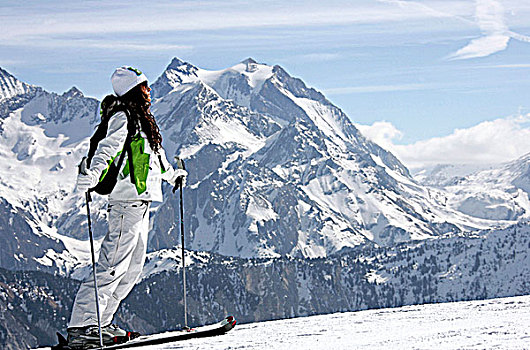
(125, 78)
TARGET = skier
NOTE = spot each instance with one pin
(123, 250)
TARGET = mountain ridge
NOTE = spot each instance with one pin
(10, 86)
(289, 211)
(275, 169)
(319, 129)
(499, 192)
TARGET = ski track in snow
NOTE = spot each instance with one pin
(482, 324)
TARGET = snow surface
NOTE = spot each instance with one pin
(481, 324)
(496, 193)
(255, 73)
(498, 323)
(249, 73)
(492, 324)
(11, 87)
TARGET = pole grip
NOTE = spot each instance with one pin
(180, 165)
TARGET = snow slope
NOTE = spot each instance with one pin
(499, 323)
(275, 170)
(485, 324)
(11, 87)
(237, 83)
(279, 170)
(446, 174)
(498, 192)
(42, 137)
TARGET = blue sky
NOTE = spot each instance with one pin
(411, 74)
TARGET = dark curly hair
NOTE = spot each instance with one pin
(138, 104)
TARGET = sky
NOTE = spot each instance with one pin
(433, 81)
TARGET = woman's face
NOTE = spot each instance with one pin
(146, 90)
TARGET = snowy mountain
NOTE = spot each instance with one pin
(290, 211)
(278, 170)
(275, 170)
(12, 87)
(41, 140)
(496, 193)
(14, 93)
(446, 174)
(485, 264)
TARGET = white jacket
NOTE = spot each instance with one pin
(158, 166)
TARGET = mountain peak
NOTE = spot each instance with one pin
(181, 68)
(251, 66)
(176, 73)
(175, 63)
(73, 92)
(180, 65)
(249, 60)
(11, 86)
(4, 72)
(5, 76)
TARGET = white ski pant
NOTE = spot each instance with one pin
(119, 266)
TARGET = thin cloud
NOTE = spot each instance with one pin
(319, 57)
(419, 7)
(482, 47)
(490, 19)
(33, 26)
(137, 47)
(489, 16)
(519, 37)
(111, 44)
(377, 88)
(5, 63)
(507, 66)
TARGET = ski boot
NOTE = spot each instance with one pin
(82, 338)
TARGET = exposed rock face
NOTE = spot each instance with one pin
(18, 243)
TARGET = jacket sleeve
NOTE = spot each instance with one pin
(113, 143)
(165, 167)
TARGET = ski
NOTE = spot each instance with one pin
(219, 328)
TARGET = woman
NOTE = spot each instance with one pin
(124, 247)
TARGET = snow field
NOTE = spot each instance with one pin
(483, 324)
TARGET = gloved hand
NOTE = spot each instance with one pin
(179, 178)
(86, 181)
(82, 167)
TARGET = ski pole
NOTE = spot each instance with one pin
(180, 165)
(88, 199)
